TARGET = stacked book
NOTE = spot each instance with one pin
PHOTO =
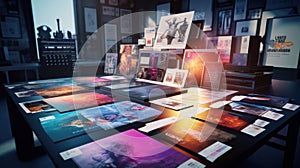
(248, 78)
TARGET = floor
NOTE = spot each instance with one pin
(265, 157)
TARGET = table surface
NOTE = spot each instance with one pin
(242, 146)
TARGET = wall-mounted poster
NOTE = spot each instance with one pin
(268, 15)
(246, 28)
(173, 31)
(162, 10)
(224, 22)
(126, 21)
(283, 43)
(10, 27)
(110, 38)
(90, 17)
(240, 9)
(203, 11)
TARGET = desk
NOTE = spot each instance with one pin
(21, 67)
(243, 146)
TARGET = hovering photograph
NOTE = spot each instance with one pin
(173, 31)
(36, 106)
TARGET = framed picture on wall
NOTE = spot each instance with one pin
(10, 27)
(224, 22)
(240, 10)
(221, 3)
(12, 6)
(246, 28)
(163, 9)
(254, 13)
(90, 17)
(113, 2)
(203, 11)
(126, 21)
(278, 4)
(108, 10)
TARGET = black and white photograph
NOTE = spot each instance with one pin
(240, 10)
(246, 28)
(173, 31)
(224, 22)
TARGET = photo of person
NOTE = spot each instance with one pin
(169, 77)
(129, 60)
(173, 31)
(178, 78)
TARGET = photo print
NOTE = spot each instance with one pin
(173, 31)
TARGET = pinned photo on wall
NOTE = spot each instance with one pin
(173, 31)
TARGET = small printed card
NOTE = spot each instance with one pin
(238, 98)
(47, 118)
(166, 102)
(191, 163)
(214, 151)
(252, 130)
(158, 124)
(70, 153)
(290, 106)
(261, 123)
(219, 104)
(272, 115)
